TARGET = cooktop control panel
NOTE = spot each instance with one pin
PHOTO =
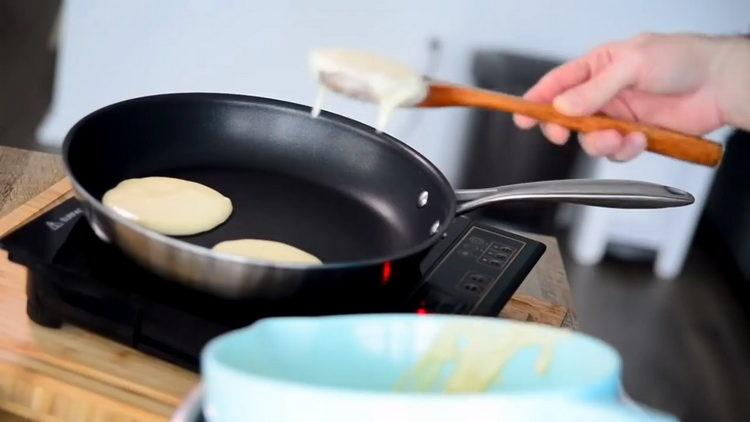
(477, 272)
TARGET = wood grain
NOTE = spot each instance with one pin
(661, 141)
(548, 282)
(29, 210)
(72, 374)
(528, 308)
(23, 174)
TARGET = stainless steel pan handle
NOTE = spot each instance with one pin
(600, 193)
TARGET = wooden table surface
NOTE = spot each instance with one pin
(71, 374)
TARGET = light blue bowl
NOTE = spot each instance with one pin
(346, 367)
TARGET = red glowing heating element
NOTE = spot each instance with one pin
(421, 311)
(386, 276)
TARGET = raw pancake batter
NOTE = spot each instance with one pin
(389, 84)
(168, 205)
(268, 250)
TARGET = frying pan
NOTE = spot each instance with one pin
(366, 204)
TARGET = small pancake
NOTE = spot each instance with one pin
(170, 206)
(267, 250)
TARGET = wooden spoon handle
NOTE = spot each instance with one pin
(661, 141)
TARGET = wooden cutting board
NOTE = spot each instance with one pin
(71, 374)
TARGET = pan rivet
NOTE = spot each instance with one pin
(422, 200)
(435, 227)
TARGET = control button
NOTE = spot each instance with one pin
(474, 282)
(496, 255)
(479, 278)
(484, 260)
(496, 263)
(506, 249)
(472, 287)
(495, 247)
(466, 254)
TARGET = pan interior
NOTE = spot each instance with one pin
(328, 185)
(326, 222)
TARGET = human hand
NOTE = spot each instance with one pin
(672, 81)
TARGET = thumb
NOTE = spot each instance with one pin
(592, 95)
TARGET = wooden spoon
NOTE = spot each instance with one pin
(372, 78)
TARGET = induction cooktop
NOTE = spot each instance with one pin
(76, 278)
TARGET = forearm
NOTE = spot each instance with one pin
(732, 81)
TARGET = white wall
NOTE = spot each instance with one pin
(113, 50)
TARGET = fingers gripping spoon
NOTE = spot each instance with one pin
(390, 84)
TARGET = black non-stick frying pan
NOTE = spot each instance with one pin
(366, 204)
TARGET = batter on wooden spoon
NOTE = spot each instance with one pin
(368, 77)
